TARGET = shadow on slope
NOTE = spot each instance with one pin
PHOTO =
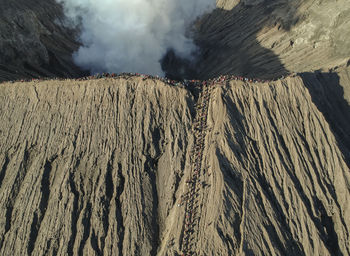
(34, 41)
(247, 150)
(228, 42)
(328, 95)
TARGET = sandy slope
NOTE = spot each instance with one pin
(89, 167)
(282, 182)
(98, 167)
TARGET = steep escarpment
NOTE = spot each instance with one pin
(279, 183)
(330, 92)
(267, 39)
(35, 41)
(90, 168)
(94, 167)
(131, 165)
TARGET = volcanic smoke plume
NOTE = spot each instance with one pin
(133, 35)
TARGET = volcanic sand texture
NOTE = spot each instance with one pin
(81, 162)
(98, 167)
(280, 185)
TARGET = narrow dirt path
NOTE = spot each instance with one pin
(190, 198)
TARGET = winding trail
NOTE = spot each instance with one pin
(190, 198)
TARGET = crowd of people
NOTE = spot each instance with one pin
(190, 198)
(218, 80)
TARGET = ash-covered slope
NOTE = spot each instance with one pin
(99, 167)
(90, 168)
(35, 41)
(281, 180)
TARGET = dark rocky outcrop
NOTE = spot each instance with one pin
(35, 41)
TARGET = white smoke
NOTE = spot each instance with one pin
(133, 35)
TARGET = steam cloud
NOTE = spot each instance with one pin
(133, 35)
